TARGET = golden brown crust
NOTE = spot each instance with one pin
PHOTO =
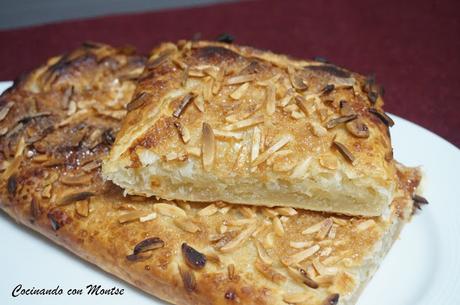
(51, 182)
(285, 132)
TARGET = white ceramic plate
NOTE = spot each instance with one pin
(423, 267)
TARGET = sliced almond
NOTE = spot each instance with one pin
(82, 208)
(300, 256)
(148, 217)
(186, 224)
(271, 100)
(208, 211)
(278, 145)
(300, 244)
(5, 110)
(239, 79)
(326, 225)
(208, 146)
(131, 216)
(228, 134)
(245, 123)
(365, 225)
(286, 211)
(256, 137)
(278, 227)
(170, 210)
(240, 91)
(263, 255)
(268, 272)
(239, 239)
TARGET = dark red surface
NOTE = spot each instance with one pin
(412, 46)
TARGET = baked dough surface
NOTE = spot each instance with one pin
(211, 121)
(50, 154)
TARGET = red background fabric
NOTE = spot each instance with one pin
(413, 47)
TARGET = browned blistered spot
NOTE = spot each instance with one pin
(216, 54)
(160, 131)
(58, 219)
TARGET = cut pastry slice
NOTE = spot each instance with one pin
(212, 121)
(182, 252)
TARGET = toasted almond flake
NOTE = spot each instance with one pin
(240, 91)
(239, 239)
(228, 134)
(46, 192)
(225, 210)
(340, 120)
(300, 275)
(256, 137)
(72, 108)
(301, 168)
(231, 271)
(328, 161)
(269, 212)
(170, 210)
(332, 232)
(208, 146)
(5, 110)
(188, 279)
(82, 208)
(325, 280)
(208, 211)
(194, 151)
(196, 72)
(262, 229)
(186, 224)
(183, 132)
(271, 100)
(286, 211)
(71, 196)
(73, 117)
(326, 251)
(317, 129)
(247, 212)
(300, 244)
(278, 227)
(175, 156)
(268, 272)
(326, 225)
(244, 123)
(291, 108)
(286, 99)
(323, 270)
(148, 217)
(179, 63)
(300, 256)
(275, 147)
(76, 180)
(365, 225)
(314, 228)
(297, 115)
(183, 104)
(131, 216)
(269, 81)
(344, 151)
(88, 167)
(223, 228)
(199, 102)
(382, 116)
(331, 260)
(311, 272)
(240, 222)
(294, 298)
(218, 81)
(239, 79)
(284, 219)
(358, 128)
(296, 81)
(263, 255)
(269, 241)
(208, 86)
(339, 221)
